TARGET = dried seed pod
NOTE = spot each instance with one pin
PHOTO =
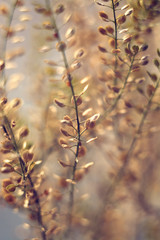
(67, 118)
(102, 30)
(47, 25)
(2, 65)
(103, 15)
(8, 145)
(65, 133)
(39, 9)
(121, 19)
(3, 101)
(79, 174)
(127, 38)
(112, 43)
(102, 49)
(144, 47)
(79, 53)
(82, 151)
(59, 9)
(15, 103)
(152, 76)
(23, 132)
(61, 46)
(27, 156)
(9, 198)
(62, 182)
(7, 169)
(110, 29)
(70, 32)
(60, 104)
(116, 51)
(156, 63)
(150, 90)
(129, 12)
(6, 182)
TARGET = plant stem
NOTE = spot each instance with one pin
(110, 190)
(69, 77)
(4, 47)
(23, 168)
(116, 40)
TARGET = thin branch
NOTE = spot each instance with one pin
(69, 77)
(23, 169)
(4, 48)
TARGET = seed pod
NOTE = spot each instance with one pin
(8, 145)
(9, 198)
(2, 65)
(3, 101)
(47, 25)
(103, 15)
(24, 131)
(64, 132)
(6, 182)
(121, 19)
(7, 169)
(102, 30)
(110, 29)
(150, 90)
(61, 46)
(82, 151)
(59, 103)
(59, 9)
(143, 47)
(27, 156)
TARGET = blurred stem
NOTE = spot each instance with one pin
(69, 77)
(116, 40)
(110, 190)
(5, 40)
(113, 106)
